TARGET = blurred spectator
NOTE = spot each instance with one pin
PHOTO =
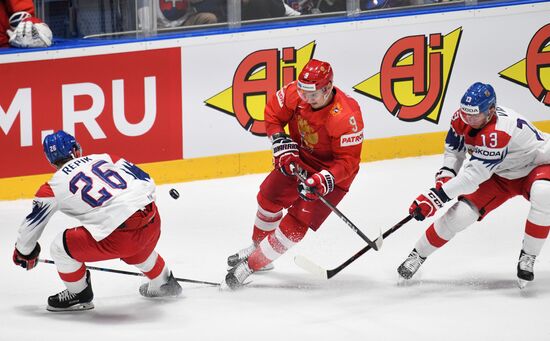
(290, 12)
(327, 6)
(377, 4)
(20, 28)
(262, 9)
(216, 7)
(100, 16)
(317, 6)
(174, 13)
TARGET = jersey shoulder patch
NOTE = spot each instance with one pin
(458, 125)
(45, 191)
(115, 158)
(288, 96)
(492, 138)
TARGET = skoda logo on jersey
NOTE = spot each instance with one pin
(487, 154)
(414, 76)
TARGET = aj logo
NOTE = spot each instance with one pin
(414, 76)
(533, 72)
(260, 75)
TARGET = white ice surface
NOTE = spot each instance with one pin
(465, 291)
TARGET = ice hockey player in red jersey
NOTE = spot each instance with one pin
(325, 139)
(114, 200)
(20, 28)
(508, 157)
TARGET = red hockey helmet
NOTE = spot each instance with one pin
(315, 76)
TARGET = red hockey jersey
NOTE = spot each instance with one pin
(330, 138)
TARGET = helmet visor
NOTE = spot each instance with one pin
(311, 96)
(472, 116)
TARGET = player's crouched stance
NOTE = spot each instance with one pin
(114, 201)
(325, 139)
(509, 157)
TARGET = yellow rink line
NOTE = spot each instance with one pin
(247, 163)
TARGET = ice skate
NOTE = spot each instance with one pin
(526, 263)
(243, 255)
(67, 301)
(237, 275)
(410, 266)
(169, 289)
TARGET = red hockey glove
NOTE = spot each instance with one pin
(319, 184)
(426, 204)
(285, 153)
(443, 175)
(26, 261)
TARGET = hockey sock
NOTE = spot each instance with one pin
(267, 220)
(537, 225)
(534, 238)
(71, 271)
(75, 281)
(456, 219)
(153, 266)
(290, 232)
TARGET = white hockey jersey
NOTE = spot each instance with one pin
(509, 146)
(99, 190)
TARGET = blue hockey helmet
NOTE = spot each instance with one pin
(478, 99)
(59, 146)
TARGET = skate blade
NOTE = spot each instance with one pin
(403, 282)
(522, 283)
(266, 268)
(76, 307)
(224, 287)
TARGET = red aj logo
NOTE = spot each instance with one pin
(533, 72)
(414, 76)
(260, 75)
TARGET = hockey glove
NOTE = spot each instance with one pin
(443, 175)
(428, 203)
(26, 261)
(319, 184)
(285, 153)
(27, 31)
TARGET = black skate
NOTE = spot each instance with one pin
(237, 275)
(242, 255)
(67, 301)
(526, 263)
(410, 266)
(169, 289)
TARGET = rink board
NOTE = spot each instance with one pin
(190, 108)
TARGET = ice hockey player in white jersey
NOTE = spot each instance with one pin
(114, 200)
(507, 158)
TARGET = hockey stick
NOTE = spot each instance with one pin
(123, 272)
(318, 271)
(375, 245)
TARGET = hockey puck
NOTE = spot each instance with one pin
(174, 194)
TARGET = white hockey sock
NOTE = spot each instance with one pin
(67, 267)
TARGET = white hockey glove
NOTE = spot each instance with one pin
(27, 31)
(443, 175)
